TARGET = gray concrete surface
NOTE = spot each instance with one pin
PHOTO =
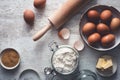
(15, 33)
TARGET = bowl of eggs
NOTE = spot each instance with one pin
(100, 27)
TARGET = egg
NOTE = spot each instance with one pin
(93, 14)
(106, 15)
(94, 38)
(64, 33)
(108, 40)
(29, 16)
(88, 28)
(39, 3)
(102, 28)
(115, 24)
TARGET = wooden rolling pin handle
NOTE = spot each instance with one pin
(41, 32)
(68, 9)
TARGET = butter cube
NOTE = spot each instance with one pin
(104, 63)
(100, 62)
(108, 64)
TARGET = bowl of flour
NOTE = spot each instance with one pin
(65, 60)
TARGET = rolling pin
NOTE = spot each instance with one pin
(65, 12)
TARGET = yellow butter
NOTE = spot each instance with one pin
(104, 63)
(100, 63)
(108, 64)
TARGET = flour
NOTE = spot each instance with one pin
(64, 60)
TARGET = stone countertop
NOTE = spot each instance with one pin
(15, 33)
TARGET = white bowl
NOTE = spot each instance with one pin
(114, 69)
(84, 19)
(9, 68)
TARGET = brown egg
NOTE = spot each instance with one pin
(29, 16)
(64, 33)
(108, 39)
(115, 23)
(88, 28)
(94, 38)
(106, 15)
(93, 14)
(102, 28)
(39, 3)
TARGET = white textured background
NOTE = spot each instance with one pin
(15, 33)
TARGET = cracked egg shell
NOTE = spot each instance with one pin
(79, 45)
(64, 33)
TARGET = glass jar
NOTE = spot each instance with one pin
(64, 53)
(86, 75)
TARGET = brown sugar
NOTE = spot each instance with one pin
(9, 58)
